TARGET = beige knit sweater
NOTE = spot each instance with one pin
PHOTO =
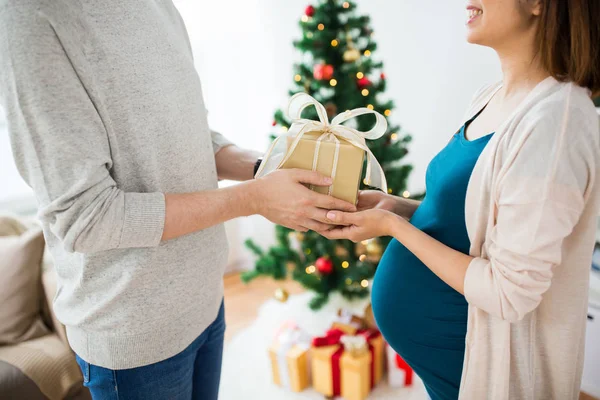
(531, 210)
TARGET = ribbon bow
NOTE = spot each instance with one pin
(277, 155)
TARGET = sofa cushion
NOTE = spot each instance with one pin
(49, 363)
(16, 385)
(21, 293)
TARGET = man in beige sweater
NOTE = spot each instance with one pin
(108, 126)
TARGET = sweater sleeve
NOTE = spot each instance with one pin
(541, 199)
(219, 141)
(60, 144)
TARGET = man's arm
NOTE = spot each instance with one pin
(61, 149)
(280, 197)
(235, 164)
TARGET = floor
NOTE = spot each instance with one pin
(243, 300)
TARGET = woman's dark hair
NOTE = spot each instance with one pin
(568, 40)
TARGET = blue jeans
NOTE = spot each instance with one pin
(192, 374)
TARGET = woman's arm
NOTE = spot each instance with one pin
(369, 199)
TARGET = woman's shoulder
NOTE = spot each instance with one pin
(568, 109)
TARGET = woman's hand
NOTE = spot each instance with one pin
(361, 225)
(375, 199)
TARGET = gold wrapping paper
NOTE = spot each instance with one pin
(349, 166)
(355, 375)
(322, 374)
(378, 357)
(346, 328)
(297, 363)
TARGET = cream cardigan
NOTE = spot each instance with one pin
(531, 210)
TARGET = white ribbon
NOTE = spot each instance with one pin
(279, 152)
(287, 339)
(354, 344)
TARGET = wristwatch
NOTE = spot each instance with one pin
(257, 165)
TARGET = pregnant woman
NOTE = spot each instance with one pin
(484, 291)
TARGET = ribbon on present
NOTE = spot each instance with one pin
(333, 337)
(408, 372)
(368, 335)
(288, 336)
(278, 153)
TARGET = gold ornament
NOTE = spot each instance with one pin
(341, 251)
(351, 55)
(374, 248)
(359, 249)
(281, 295)
(300, 236)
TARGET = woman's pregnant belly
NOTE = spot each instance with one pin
(420, 316)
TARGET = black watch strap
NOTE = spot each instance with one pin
(257, 165)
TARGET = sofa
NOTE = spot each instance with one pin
(36, 361)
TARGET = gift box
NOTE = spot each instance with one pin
(318, 151)
(289, 355)
(328, 370)
(356, 366)
(332, 149)
(347, 322)
(400, 374)
(326, 352)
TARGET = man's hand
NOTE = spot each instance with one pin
(282, 198)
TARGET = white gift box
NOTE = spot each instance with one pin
(400, 374)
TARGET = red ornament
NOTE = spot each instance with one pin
(364, 82)
(324, 265)
(310, 11)
(382, 76)
(323, 72)
(274, 123)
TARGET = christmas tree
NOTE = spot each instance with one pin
(339, 70)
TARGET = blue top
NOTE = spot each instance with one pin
(422, 318)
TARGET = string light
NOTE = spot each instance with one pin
(284, 129)
(390, 191)
(370, 106)
(309, 35)
(387, 113)
(320, 27)
(365, 181)
(365, 92)
(310, 269)
(367, 53)
(333, 82)
(304, 18)
(307, 251)
(334, 43)
(348, 281)
(345, 264)
(394, 136)
(364, 283)
(346, 5)
(297, 78)
(406, 194)
(360, 75)
(362, 257)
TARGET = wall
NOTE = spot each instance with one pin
(244, 54)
